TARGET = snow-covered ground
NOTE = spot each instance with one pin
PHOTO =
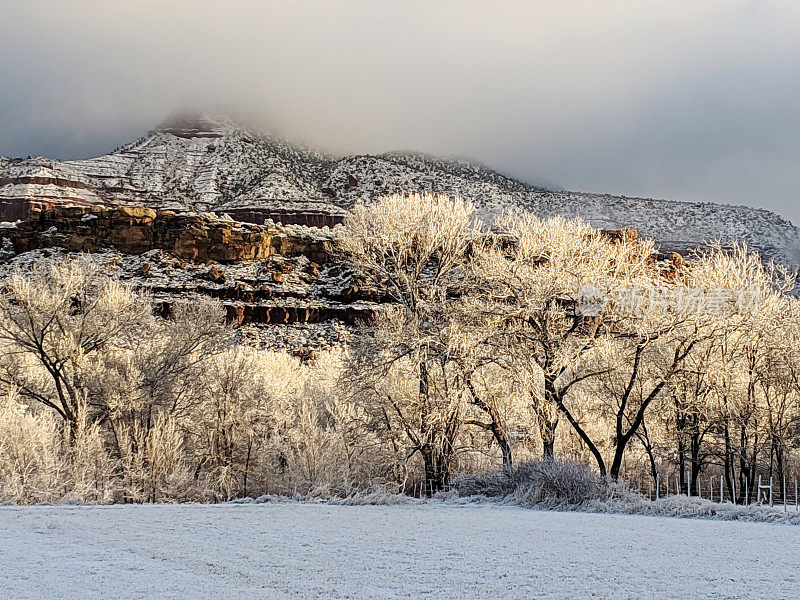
(432, 550)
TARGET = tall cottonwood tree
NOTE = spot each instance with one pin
(539, 277)
(753, 389)
(416, 249)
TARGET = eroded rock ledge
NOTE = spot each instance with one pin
(189, 236)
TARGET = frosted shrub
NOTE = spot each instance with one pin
(155, 463)
(39, 463)
(32, 466)
(232, 425)
(541, 481)
(93, 472)
(547, 480)
(323, 446)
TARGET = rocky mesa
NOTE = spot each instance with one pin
(206, 164)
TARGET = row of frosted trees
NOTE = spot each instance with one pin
(587, 342)
(496, 342)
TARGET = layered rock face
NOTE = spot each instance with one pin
(283, 286)
(137, 229)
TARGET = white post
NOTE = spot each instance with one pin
(733, 489)
(721, 491)
(795, 495)
(746, 492)
(758, 491)
(784, 494)
(658, 487)
(677, 487)
(770, 490)
(688, 485)
(649, 489)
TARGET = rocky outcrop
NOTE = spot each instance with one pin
(283, 281)
(283, 315)
(15, 209)
(282, 285)
(136, 230)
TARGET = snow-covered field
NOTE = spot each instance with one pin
(420, 550)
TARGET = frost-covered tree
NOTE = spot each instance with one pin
(56, 321)
(539, 278)
(415, 248)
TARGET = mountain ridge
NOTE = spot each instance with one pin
(206, 164)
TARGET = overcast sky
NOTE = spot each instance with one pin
(683, 99)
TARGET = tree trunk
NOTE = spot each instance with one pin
(730, 476)
(437, 469)
(548, 447)
(494, 426)
(644, 437)
(505, 448)
(547, 419)
(619, 454)
(695, 462)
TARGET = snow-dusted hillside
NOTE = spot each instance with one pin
(211, 164)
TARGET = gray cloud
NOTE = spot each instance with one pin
(684, 100)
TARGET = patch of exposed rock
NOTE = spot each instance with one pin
(188, 236)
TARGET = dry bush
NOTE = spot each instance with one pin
(541, 481)
(323, 443)
(32, 466)
(155, 463)
(42, 461)
(93, 471)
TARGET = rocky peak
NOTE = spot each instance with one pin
(196, 126)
